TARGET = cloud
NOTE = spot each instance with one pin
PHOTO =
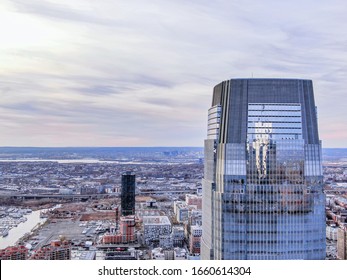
(59, 11)
(99, 90)
(129, 73)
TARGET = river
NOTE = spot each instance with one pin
(59, 160)
(17, 232)
(84, 161)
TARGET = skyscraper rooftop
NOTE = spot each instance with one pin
(262, 188)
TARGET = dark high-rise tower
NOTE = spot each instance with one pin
(262, 188)
(128, 194)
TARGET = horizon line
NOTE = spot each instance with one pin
(57, 147)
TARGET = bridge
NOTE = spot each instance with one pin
(74, 197)
(336, 191)
(59, 196)
(167, 191)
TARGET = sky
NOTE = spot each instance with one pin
(141, 73)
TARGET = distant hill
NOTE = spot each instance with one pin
(334, 154)
(119, 152)
(98, 152)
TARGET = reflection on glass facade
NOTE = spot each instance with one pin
(262, 187)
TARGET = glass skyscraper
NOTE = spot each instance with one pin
(128, 193)
(263, 185)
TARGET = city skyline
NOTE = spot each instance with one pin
(121, 74)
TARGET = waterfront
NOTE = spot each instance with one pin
(33, 219)
(59, 160)
(90, 161)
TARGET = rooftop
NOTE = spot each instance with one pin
(155, 220)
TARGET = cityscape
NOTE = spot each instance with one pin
(81, 212)
(70, 208)
(177, 131)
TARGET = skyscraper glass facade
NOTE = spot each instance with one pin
(262, 189)
(128, 193)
